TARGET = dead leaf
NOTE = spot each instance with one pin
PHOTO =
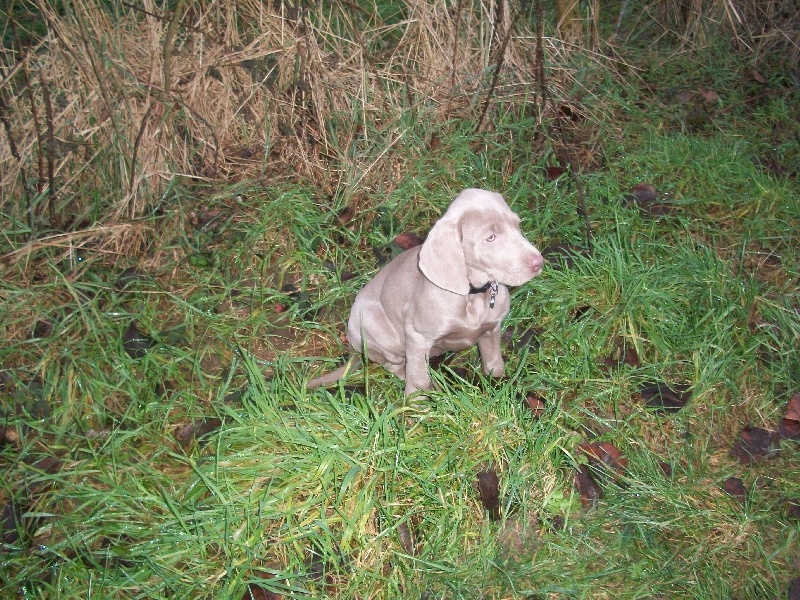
(406, 539)
(536, 403)
(604, 454)
(11, 523)
(562, 255)
(489, 488)
(256, 592)
(645, 193)
(517, 337)
(756, 76)
(709, 96)
(754, 443)
(8, 435)
(645, 197)
(792, 411)
(622, 354)
(408, 240)
(735, 488)
(195, 430)
(136, 343)
(793, 510)
(661, 397)
(789, 429)
(346, 214)
(554, 172)
(588, 490)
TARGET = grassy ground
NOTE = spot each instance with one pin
(158, 440)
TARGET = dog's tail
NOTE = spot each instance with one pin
(353, 363)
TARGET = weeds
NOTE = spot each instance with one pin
(157, 439)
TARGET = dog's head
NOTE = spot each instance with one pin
(478, 240)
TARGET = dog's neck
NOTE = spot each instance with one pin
(489, 285)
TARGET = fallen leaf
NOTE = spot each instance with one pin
(195, 430)
(517, 337)
(645, 197)
(707, 95)
(553, 172)
(346, 214)
(793, 510)
(517, 537)
(604, 454)
(666, 468)
(789, 429)
(661, 397)
(42, 329)
(735, 488)
(11, 523)
(756, 76)
(536, 403)
(754, 443)
(8, 435)
(256, 592)
(622, 354)
(581, 311)
(645, 193)
(588, 490)
(211, 220)
(136, 343)
(792, 411)
(406, 539)
(562, 255)
(489, 488)
(408, 240)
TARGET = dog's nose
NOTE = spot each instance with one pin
(536, 263)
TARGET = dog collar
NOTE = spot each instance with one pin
(489, 285)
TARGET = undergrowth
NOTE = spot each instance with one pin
(158, 440)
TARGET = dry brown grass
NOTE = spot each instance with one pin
(110, 106)
(245, 90)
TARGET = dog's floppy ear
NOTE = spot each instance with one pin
(441, 258)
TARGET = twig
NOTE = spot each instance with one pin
(622, 10)
(51, 179)
(573, 167)
(575, 170)
(455, 55)
(169, 38)
(496, 75)
(136, 144)
(35, 117)
(12, 144)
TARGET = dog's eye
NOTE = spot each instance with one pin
(491, 237)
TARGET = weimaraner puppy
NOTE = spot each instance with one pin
(448, 294)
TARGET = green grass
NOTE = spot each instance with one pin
(314, 495)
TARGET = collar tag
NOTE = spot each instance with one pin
(493, 294)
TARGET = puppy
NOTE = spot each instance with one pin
(446, 295)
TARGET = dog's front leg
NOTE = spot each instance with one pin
(418, 349)
(491, 355)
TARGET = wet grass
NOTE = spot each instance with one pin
(191, 462)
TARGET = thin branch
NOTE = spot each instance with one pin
(496, 76)
(573, 166)
(12, 144)
(51, 179)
